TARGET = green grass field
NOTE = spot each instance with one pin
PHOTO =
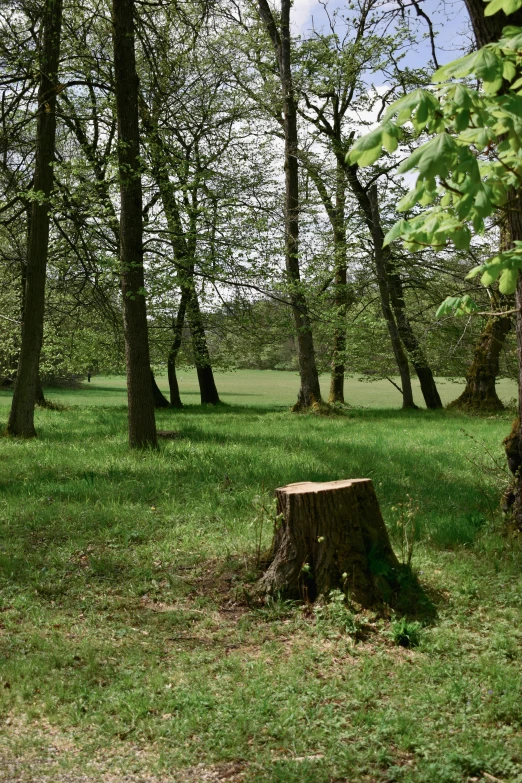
(129, 647)
(260, 387)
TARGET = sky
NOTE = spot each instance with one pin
(449, 18)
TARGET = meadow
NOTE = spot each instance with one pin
(266, 387)
(131, 648)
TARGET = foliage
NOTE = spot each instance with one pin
(406, 633)
(471, 167)
(336, 617)
(406, 527)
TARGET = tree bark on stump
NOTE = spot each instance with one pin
(331, 536)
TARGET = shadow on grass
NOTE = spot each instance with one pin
(411, 600)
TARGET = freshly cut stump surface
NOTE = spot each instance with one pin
(331, 535)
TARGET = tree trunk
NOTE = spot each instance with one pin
(488, 29)
(207, 385)
(332, 536)
(335, 212)
(406, 333)
(142, 424)
(409, 338)
(340, 290)
(40, 396)
(175, 399)
(390, 280)
(382, 281)
(184, 260)
(21, 417)
(160, 401)
(480, 393)
(339, 338)
(177, 325)
(310, 392)
(515, 232)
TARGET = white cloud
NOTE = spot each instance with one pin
(301, 13)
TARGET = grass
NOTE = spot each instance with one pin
(256, 387)
(128, 646)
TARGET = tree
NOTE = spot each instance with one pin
(332, 85)
(480, 392)
(142, 424)
(21, 417)
(471, 170)
(281, 42)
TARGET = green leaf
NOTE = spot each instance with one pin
(474, 272)
(480, 137)
(390, 136)
(368, 157)
(418, 100)
(456, 69)
(457, 305)
(461, 238)
(435, 158)
(491, 274)
(483, 203)
(508, 6)
(511, 39)
(508, 281)
(367, 149)
(508, 70)
(398, 230)
(411, 198)
(488, 66)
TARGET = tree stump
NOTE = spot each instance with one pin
(331, 535)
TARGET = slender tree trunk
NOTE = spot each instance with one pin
(335, 212)
(142, 424)
(310, 391)
(409, 339)
(370, 207)
(207, 385)
(339, 338)
(391, 280)
(382, 281)
(21, 418)
(177, 325)
(184, 262)
(515, 231)
(340, 290)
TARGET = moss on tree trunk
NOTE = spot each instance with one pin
(480, 393)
